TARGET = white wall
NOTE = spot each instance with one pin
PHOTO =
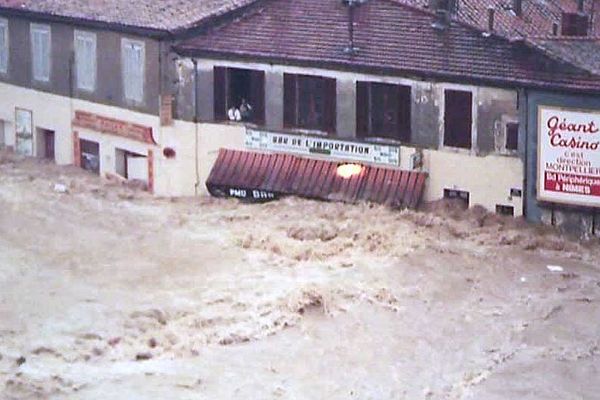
(488, 179)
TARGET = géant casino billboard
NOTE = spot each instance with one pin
(568, 156)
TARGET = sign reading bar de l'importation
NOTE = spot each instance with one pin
(334, 148)
(568, 156)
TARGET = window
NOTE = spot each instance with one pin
(309, 102)
(383, 110)
(3, 45)
(239, 95)
(458, 117)
(133, 65)
(90, 155)
(512, 136)
(85, 60)
(40, 52)
(574, 24)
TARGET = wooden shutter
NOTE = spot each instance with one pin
(289, 100)
(257, 96)
(329, 114)
(362, 109)
(458, 116)
(404, 108)
(220, 93)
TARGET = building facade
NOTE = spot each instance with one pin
(154, 98)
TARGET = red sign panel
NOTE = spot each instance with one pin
(114, 126)
(569, 156)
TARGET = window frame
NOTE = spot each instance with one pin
(473, 110)
(402, 132)
(127, 43)
(507, 149)
(291, 99)
(222, 93)
(46, 29)
(92, 37)
(5, 52)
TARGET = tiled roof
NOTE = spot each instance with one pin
(536, 19)
(390, 36)
(168, 15)
(580, 52)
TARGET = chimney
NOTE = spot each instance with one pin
(491, 13)
(442, 9)
(580, 6)
(518, 7)
(555, 29)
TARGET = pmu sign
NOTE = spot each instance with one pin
(568, 156)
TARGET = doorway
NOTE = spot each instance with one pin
(46, 144)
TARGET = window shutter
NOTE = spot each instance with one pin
(220, 93)
(257, 96)
(133, 60)
(139, 73)
(362, 109)
(458, 118)
(45, 38)
(3, 47)
(329, 117)
(289, 100)
(404, 108)
(40, 48)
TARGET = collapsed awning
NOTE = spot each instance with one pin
(259, 177)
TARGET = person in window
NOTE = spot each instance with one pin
(245, 110)
(234, 114)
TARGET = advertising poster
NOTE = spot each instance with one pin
(568, 156)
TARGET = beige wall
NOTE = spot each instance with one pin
(487, 178)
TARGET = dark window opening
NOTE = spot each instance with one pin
(383, 110)
(45, 144)
(459, 195)
(512, 136)
(458, 117)
(516, 192)
(90, 156)
(505, 210)
(309, 102)
(574, 24)
(239, 95)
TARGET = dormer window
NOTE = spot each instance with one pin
(574, 24)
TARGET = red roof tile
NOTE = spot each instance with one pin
(390, 36)
(168, 15)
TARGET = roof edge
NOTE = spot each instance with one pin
(365, 68)
(154, 33)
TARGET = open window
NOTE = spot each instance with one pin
(458, 118)
(239, 95)
(309, 102)
(512, 136)
(383, 110)
(574, 24)
(90, 155)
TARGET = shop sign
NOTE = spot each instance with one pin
(569, 156)
(113, 126)
(250, 195)
(311, 145)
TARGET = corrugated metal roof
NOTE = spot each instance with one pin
(283, 174)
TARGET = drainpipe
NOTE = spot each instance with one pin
(71, 105)
(525, 112)
(196, 138)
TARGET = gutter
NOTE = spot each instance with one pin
(378, 69)
(154, 33)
